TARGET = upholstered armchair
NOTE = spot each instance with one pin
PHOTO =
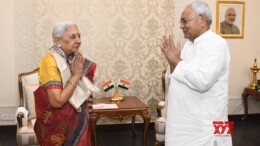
(28, 82)
(160, 122)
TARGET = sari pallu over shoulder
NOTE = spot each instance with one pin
(85, 86)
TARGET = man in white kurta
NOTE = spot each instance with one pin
(198, 90)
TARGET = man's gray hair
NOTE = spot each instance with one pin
(60, 28)
(202, 8)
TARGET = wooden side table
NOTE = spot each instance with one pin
(253, 93)
(130, 107)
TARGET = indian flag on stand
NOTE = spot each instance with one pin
(108, 85)
(123, 84)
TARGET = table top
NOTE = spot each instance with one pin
(129, 103)
(255, 94)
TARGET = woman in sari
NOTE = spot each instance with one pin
(61, 120)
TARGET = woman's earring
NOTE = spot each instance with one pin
(59, 45)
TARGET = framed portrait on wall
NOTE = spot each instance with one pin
(230, 18)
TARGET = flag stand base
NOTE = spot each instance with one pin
(116, 96)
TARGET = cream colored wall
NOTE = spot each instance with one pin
(8, 80)
(21, 53)
(8, 84)
(243, 51)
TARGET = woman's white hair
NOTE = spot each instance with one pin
(202, 8)
(60, 28)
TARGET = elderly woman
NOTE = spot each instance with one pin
(62, 120)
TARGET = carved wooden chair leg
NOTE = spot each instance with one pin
(156, 143)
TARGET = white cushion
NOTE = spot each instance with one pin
(29, 89)
(160, 125)
(160, 137)
(31, 79)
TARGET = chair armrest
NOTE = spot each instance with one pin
(22, 116)
(159, 108)
(20, 119)
(161, 104)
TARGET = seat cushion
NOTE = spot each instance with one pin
(160, 125)
(26, 135)
(160, 137)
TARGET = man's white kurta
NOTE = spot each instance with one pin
(198, 93)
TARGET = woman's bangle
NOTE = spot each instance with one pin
(73, 83)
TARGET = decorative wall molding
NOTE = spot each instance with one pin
(10, 111)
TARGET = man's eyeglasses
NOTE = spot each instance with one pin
(184, 21)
